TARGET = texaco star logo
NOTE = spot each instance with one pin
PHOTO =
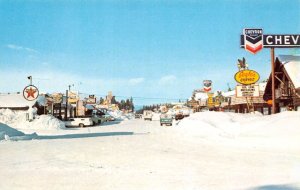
(30, 93)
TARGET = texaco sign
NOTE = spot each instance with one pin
(30, 92)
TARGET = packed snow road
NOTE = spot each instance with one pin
(198, 153)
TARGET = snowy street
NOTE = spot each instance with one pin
(138, 154)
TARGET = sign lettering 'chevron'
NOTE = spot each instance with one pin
(253, 39)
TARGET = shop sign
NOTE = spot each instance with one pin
(57, 98)
(73, 97)
(210, 100)
(246, 77)
(91, 99)
(247, 91)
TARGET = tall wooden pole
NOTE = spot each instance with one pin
(273, 80)
(66, 109)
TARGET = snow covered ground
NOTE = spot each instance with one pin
(208, 150)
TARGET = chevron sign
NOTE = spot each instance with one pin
(253, 39)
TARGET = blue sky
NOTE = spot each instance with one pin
(153, 49)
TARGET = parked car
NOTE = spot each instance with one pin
(147, 115)
(108, 117)
(98, 119)
(166, 119)
(179, 116)
(138, 116)
(79, 122)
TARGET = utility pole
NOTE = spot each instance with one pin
(273, 80)
(66, 109)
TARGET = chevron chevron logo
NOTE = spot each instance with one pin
(253, 39)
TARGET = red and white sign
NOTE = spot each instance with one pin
(30, 92)
(253, 39)
(207, 85)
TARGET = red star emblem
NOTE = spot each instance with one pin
(30, 92)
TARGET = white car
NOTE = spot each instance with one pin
(80, 122)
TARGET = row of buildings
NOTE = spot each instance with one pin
(57, 105)
(287, 92)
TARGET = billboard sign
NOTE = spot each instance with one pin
(254, 40)
(73, 97)
(246, 77)
(57, 98)
(247, 91)
(91, 99)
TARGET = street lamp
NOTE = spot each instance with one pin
(30, 79)
(70, 86)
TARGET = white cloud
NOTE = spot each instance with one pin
(20, 48)
(136, 81)
(166, 80)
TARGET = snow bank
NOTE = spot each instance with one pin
(231, 125)
(8, 133)
(6, 130)
(156, 116)
(119, 115)
(116, 114)
(17, 119)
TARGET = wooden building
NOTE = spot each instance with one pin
(287, 84)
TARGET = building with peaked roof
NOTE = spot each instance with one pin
(287, 83)
(16, 101)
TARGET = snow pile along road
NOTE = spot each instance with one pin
(6, 131)
(225, 124)
(17, 119)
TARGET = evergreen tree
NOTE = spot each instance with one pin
(113, 100)
(101, 100)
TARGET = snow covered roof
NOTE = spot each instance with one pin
(201, 96)
(291, 64)
(229, 93)
(18, 101)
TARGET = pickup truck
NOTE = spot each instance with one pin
(166, 119)
(97, 119)
(79, 122)
(147, 114)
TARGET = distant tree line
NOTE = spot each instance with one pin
(153, 107)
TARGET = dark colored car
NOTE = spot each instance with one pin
(166, 119)
(179, 116)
